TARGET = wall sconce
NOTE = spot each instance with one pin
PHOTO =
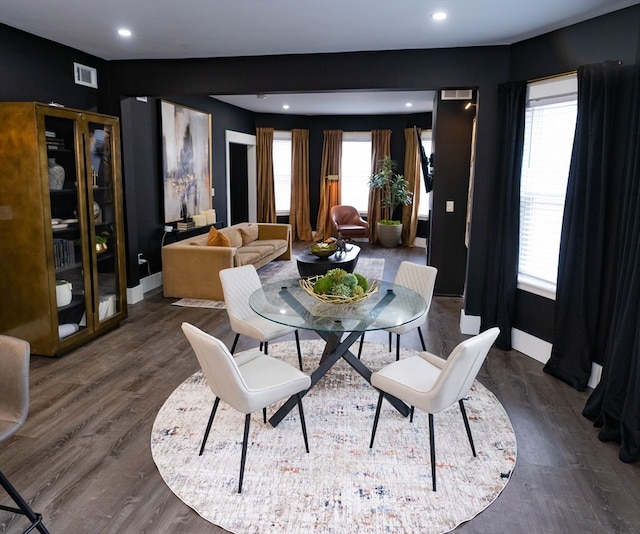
(332, 178)
(470, 105)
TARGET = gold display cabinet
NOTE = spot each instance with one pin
(62, 272)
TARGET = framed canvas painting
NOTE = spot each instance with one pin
(186, 161)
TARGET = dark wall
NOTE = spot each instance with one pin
(39, 70)
(142, 162)
(452, 148)
(347, 123)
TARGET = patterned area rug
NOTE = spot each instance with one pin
(372, 268)
(341, 485)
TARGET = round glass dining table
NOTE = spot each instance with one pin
(340, 325)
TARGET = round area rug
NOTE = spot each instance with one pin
(341, 485)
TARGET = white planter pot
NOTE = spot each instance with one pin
(389, 234)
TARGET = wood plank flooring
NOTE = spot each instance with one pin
(83, 457)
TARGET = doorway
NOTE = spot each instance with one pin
(241, 177)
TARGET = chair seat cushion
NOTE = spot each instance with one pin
(260, 329)
(408, 379)
(270, 380)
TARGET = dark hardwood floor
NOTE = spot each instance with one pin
(83, 457)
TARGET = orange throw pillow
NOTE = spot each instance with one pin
(216, 239)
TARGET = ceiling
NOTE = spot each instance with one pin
(174, 29)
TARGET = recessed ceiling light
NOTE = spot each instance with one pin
(408, 104)
(286, 106)
(123, 32)
(439, 15)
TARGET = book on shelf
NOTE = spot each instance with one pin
(63, 253)
(55, 144)
(185, 225)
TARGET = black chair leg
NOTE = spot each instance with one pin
(23, 507)
(298, 348)
(411, 415)
(424, 347)
(390, 340)
(466, 425)
(235, 342)
(206, 432)
(302, 422)
(264, 415)
(375, 420)
(397, 347)
(266, 347)
(361, 343)
(243, 458)
(432, 447)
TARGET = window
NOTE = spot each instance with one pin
(282, 171)
(356, 170)
(425, 198)
(548, 141)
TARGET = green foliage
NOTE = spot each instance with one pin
(323, 285)
(394, 188)
(362, 281)
(350, 280)
(340, 282)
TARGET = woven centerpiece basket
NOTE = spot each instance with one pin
(307, 285)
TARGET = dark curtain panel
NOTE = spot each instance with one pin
(614, 406)
(578, 331)
(501, 274)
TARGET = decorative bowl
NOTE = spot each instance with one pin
(308, 283)
(323, 250)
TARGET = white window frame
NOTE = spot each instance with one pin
(544, 93)
(424, 206)
(362, 176)
(282, 174)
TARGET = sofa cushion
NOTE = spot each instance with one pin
(217, 239)
(234, 235)
(249, 233)
(200, 241)
(247, 258)
(262, 250)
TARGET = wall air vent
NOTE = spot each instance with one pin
(457, 94)
(85, 75)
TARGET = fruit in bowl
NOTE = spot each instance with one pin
(324, 249)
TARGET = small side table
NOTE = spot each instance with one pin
(310, 265)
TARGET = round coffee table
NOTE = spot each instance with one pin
(310, 265)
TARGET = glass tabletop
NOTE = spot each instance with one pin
(287, 303)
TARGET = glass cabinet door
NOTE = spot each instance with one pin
(102, 201)
(69, 238)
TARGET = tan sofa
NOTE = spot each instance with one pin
(190, 267)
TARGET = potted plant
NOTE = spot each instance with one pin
(395, 192)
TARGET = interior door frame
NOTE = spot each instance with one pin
(249, 141)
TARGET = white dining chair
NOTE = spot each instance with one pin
(422, 279)
(432, 384)
(15, 354)
(238, 283)
(249, 382)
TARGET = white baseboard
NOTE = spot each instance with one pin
(469, 324)
(534, 347)
(136, 294)
(529, 345)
